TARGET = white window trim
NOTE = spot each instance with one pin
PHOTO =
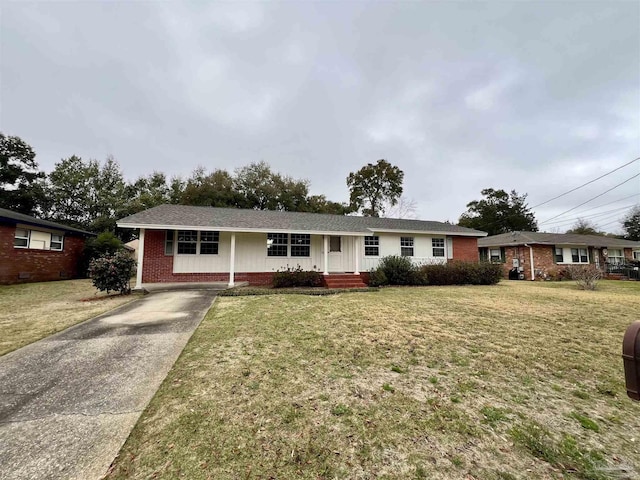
(198, 243)
(579, 262)
(412, 246)
(377, 245)
(443, 247)
(61, 242)
(27, 238)
(289, 245)
(620, 259)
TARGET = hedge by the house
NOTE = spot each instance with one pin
(296, 277)
(394, 270)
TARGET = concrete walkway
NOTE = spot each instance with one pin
(68, 402)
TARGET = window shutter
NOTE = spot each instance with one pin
(503, 254)
(553, 254)
(484, 254)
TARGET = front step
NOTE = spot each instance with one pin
(347, 280)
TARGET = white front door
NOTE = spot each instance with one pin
(336, 262)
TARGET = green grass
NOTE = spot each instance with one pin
(31, 311)
(517, 380)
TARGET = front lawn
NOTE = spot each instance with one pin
(31, 311)
(518, 380)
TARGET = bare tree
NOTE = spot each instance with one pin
(405, 208)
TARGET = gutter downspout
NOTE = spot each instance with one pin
(533, 274)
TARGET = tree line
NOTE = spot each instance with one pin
(93, 195)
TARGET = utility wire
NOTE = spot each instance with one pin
(591, 215)
(608, 203)
(593, 198)
(585, 184)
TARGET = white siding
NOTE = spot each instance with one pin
(251, 254)
(390, 245)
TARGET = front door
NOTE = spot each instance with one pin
(336, 263)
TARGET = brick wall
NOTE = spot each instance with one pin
(158, 267)
(465, 249)
(21, 265)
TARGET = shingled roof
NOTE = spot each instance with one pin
(9, 216)
(241, 220)
(540, 238)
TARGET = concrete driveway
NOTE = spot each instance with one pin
(68, 402)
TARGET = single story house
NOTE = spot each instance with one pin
(34, 250)
(180, 243)
(536, 255)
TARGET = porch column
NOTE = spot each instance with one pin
(326, 255)
(357, 252)
(140, 258)
(232, 260)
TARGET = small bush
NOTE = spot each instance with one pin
(377, 278)
(296, 277)
(461, 273)
(398, 270)
(586, 276)
(112, 272)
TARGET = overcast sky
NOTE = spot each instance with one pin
(538, 97)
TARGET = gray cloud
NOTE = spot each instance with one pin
(538, 96)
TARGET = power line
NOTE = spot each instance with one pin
(595, 222)
(564, 221)
(593, 198)
(608, 203)
(585, 184)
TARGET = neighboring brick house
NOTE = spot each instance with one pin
(180, 243)
(551, 253)
(33, 250)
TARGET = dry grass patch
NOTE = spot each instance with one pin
(518, 380)
(32, 311)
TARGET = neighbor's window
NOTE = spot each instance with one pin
(372, 246)
(559, 256)
(209, 243)
(56, 242)
(277, 244)
(636, 255)
(187, 242)
(616, 257)
(406, 246)
(437, 246)
(21, 239)
(300, 245)
(579, 255)
(168, 242)
(495, 255)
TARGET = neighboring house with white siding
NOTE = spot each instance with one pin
(180, 243)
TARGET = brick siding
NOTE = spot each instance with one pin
(22, 265)
(543, 260)
(465, 249)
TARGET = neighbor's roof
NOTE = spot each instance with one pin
(9, 216)
(240, 220)
(519, 238)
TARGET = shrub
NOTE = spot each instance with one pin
(398, 270)
(377, 278)
(586, 276)
(296, 277)
(461, 273)
(105, 243)
(112, 272)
